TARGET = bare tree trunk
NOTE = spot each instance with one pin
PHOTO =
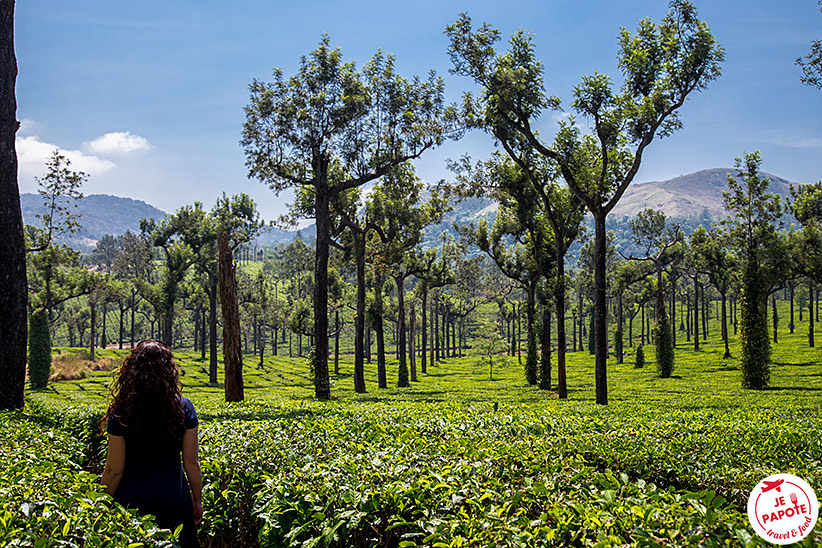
(810, 314)
(14, 296)
(122, 327)
(791, 325)
(412, 359)
(212, 329)
(545, 350)
(725, 327)
(337, 342)
(423, 334)
(359, 319)
(600, 311)
(93, 328)
(322, 384)
(696, 315)
(232, 352)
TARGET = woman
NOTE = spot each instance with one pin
(149, 424)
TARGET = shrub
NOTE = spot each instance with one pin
(639, 359)
(39, 349)
(664, 346)
(754, 341)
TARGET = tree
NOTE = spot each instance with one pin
(652, 232)
(180, 236)
(396, 205)
(806, 243)
(710, 255)
(329, 129)
(39, 349)
(232, 353)
(517, 263)
(60, 190)
(553, 216)
(13, 328)
(662, 65)
(811, 64)
(753, 214)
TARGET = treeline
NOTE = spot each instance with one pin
(344, 140)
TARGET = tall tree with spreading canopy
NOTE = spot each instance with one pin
(661, 65)
(331, 128)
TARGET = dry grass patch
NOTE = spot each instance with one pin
(75, 366)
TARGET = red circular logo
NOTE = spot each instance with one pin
(783, 509)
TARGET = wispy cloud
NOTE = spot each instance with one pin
(790, 139)
(118, 143)
(32, 154)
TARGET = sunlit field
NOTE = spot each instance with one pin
(458, 459)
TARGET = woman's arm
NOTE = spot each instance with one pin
(191, 463)
(115, 462)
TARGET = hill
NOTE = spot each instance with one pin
(695, 199)
(687, 196)
(99, 214)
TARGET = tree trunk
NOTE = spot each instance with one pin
(359, 319)
(232, 353)
(531, 365)
(810, 314)
(412, 359)
(337, 330)
(775, 322)
(322, 384)
(559, 298)
(14, 296)
(696, 314)
(261, 343)
(133, 311)
(620, 325)
(122, 327)
(791, 325)
(705, 313)
(435, 336)
(203, 334)
(93, 327)
(103, 335)
(382, 377)
(673, 311)
(545, 355)
(725, 327)
(423, 334)
(600, 311)
(211, 291)
(402, 374)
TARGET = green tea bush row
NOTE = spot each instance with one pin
(46, 499)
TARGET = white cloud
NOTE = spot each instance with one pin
(32, 154)
(27, 126)
(118, 143)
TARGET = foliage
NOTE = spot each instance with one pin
(664, 348)
(754, 341)
(753, 214)
(639, 358)
(60, 191)
(39, 349)
(811, 64)
(47, 499)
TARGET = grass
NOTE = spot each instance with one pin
(460, 460)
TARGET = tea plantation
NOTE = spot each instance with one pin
(456, 460)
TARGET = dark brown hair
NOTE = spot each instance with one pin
(146, 394)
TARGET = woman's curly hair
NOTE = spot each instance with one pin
(146, 394)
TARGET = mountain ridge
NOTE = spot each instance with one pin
(689, 196)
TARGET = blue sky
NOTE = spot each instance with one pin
(147, 97)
